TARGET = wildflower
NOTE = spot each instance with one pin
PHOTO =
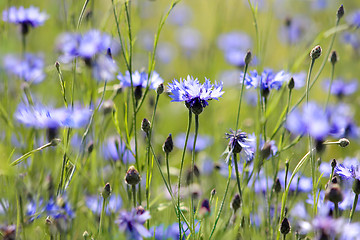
(294, 30)
(239, 142)
(180, 15)
(61, 213)
(195, 95)
(189, 39)
(202, 142)
(94, 203)
(140, 79)
(132, 176)
(34, 209)
(30, 68)
(168, 144)
(115, 149)
(25, 17)
(354, 19)
(132, 224)
(351, 38)
(340, 88)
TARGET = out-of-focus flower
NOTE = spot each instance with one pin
(34, 209)
(140, 79)
(202, 142)
(30, 68)
(132, 223)
(25, 17)
(240, 143)
(189, 39)
(115, 149)
(194, 94)
(180, 15)
(170, 232)
(165, 52)
(294, 29)
(341, 88)
(351, 38)
(342, 121)
(94, 203)
(352, 172)
(354, 19)
(104, 68)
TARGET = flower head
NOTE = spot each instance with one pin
(194, 94)
(30, 68)
(202, 142)
(94, 203)
(132, 223)
(239, 142)
(341, 88)
(140, 79)
(115, 149)
(354, 19)
(25, 17)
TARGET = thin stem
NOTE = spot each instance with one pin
(353, 207)
(330, 85)
(336, 208)
(308, 80)
(168, 168)
(192, 219)
(102, 215)
(181, 167)
(223, 200)
(237, 175)
(240, 97)
(134, 194)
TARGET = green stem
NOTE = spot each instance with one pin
(102, 215)
(237, 175)
(192, 218)
(134, 194)
(331, 82)
(223, 200)
(353, 207)
(181, 167)
(240, 97)
(168, 168)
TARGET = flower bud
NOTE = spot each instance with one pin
(333, 163)
(236, 202)
(333, 57)
(265, 151)
(132, 176)
(108, 107)
(340, 12)
(213, 192)
(168, 145)
(277, 186)
(54, 142)
(315, 52)
(106, 191)
(343, 142)
(160, 89)
(291, 83)
(204, 209)
(57, 66)
(145, 125)
(90, 147)
(248, 57)
(140, 210)
(285, 226)
(138, 92)
(356, 186)
(333, 193)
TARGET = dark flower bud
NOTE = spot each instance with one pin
(277, 185)
(138, 92)
(340, 12)
(196, 171)
(145, 125)
(54, 142)
(333, 57)
(108, 107)
(160, 89)
(315, 52)
(51, 133)
(319, 146)
(213, 192)
(288, 22)
(108, 53)
(356, 186)
(204, 209)
(333, 163)
(344, 142)
(168, 145)
(57, 66)
(132, 176)
(197, 107)
(265, 151)
(285, 226)
(248, 57)
(90, 147)
(333, 193)
(291, 83)
(236, 202)
(334, 180)
(106, 191)
(140, 210)
(189, 177)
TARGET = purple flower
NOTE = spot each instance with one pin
(294, 29)
(195, 95)
(351, 38)
(342, 121)
(26, 17)
(170, 232)
(34, 209)
(202, 142)
(352, 172)
(180, 15)
(267, 80)
(189, 39)
(240, 143)
(140, 79)
(30, 68)
(104, 68)
(132, 223)
(115, 149)
(59, 209)
(354, 18)
(341, 88)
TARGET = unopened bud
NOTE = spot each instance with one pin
(356, 186)
(54, 142)
(138, 92)
(248, 57)
(90, 147)
(57, 66)
(213, 192)
(333, 57)
(204, 209)
(315, 52)
(108, 107)
(140, 210)
(333, 193)
(285, 226)
(132, 176)
(340, 12)
(106, 191)
(333, 163)
(145, 125)
(277, 186)
(265, 151)
(343, 142)
(236, 202)
(291, 83)
(168, 144)
(160, 89)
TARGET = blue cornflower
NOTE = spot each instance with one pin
(202, 142)
(115, 149)
(170, 232)
(132, 223)
(267, 80)
(140, 79)
(354, 18)
(94, 203)
(240, 143)
(189, 40)
(34, 209)
(180, 15)
(342, 121)
(39, 116)
(25, 17)
(352, 172)
(294, 29)
(195, 94)
(30, 68)
(351, 38)
(340, 88)
(59, 209)
(313, 121)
